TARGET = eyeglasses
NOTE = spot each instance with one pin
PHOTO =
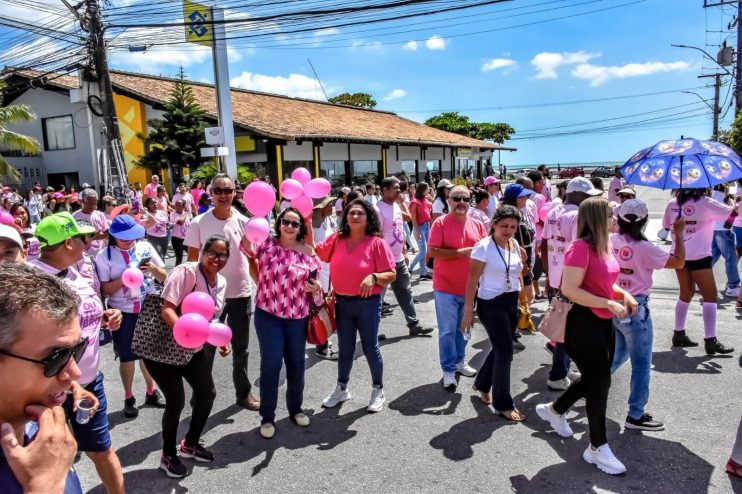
(460, 198)
(216, 255)
(218, 192)
(292, 224)
(57, 361)
(625, 196)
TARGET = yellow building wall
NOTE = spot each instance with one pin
(132, 119)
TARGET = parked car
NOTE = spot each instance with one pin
(603, 172)
(572, 172)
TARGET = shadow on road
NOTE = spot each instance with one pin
(677, 361)
(428, 399)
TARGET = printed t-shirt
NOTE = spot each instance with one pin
(179, 231)
(423, 210)
(159, 229)
(187, 278)
(492, 283)
(111, 263)
(699, 224)
(392, 227)
(637, 261)
(96, 219)
(560, 229)
(348, 269)
(237, 269)
(186, 198)
(447, 232)
(601, 272)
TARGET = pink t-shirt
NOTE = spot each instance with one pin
(90, 313)
(187, 278)
(447, 232)
(99, 221)
(159, 229)
(531, 216)
(196, 194)
(559, 231)
(538, 201)
(423, 210)
(600, 272)
(392, 227)
(180, 230)
(480, 215)
(349, 268)
(699, 217)
(151, 190)
(637, 261)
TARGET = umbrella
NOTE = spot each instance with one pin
(685, 163)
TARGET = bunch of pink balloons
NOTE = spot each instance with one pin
(301, 188)
(132, 277)
(259, 198)
(193, 328)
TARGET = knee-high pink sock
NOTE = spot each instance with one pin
(709, 319)
(681, 314)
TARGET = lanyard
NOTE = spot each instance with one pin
(508, 283)
(208, 287)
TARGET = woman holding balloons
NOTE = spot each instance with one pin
(200, 277)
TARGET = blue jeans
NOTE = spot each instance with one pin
(422, 252)
(356, 315)
(725, 244)
(280, 340)
(634, 341)
(449, 310)
(560, 363)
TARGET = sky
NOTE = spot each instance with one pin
(544, 73)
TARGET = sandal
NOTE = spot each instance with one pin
(511, 415)
(485, 398)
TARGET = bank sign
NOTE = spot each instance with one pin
(198, 23)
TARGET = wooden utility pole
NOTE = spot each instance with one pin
(716, 109)
(736, 22)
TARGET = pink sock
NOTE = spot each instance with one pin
(709, 319)
(681, 314)
(151, 391)
(128, 395)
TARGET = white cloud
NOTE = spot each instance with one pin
(326, 32)
(499, 63)
(599, 75)
(395, 94)
(158, 59)
(297, 85)
(411, 46)
(360, 44)
(547, 63)
(435, 42)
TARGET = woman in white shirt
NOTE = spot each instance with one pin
(495, 267)
(440, 204)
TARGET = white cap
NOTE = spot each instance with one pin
(10, 233)
(635, 207)
(581, 184)
(345, 190)
(445, 183)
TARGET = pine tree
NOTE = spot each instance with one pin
(175, 140)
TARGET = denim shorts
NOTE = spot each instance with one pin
(123, 336)
(93, 436)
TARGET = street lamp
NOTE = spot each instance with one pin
(707, 56)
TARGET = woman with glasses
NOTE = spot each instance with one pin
(287, 276)
(200, 276)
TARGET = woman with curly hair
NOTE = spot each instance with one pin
(361, 264)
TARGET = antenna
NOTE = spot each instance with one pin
(317, 77)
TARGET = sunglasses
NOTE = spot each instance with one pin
(57, 361)
(216, 255)
(86, 238)
(460, 198)
(218, 192)
(625, 196)
(292, 224)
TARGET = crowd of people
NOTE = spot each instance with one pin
(485, 249)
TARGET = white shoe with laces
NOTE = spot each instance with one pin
(376, 403)
(465, 369)
(604, 459)
(338, 396)
(557, 422)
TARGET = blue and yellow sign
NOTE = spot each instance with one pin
(198, 23)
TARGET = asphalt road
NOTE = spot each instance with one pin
(431, 440)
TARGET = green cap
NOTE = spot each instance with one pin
(57, 228)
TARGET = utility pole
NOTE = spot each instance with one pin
(715, 108)
(738, 75)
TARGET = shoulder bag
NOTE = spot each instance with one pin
(322, 323)
(554, 323)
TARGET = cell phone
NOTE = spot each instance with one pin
(313, 274)
(144, 260)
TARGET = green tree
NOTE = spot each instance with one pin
(733, 136)
(176, 139)
(460, 124)
(498, 132)
(361, 100)
(13, 141)
(207, 171)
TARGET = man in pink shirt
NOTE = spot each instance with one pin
(151, 189)
(452, 237)
(90, 215)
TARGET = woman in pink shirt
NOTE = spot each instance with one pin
(180, 218)
(589, 281)
(155, 222)
(361, 265)
(421, 211)
(700, 213)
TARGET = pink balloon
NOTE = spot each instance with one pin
(219, 334)
(304, 204)
(132, 277)
(259, 198)
(302, 175)
(199, 303)
(317, 188)
(257, 230)
(291, 189)
(191, 330)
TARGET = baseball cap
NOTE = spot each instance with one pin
(514, 191)
(11, 234)
(345, 190)
(445, 183)
(635, 207)
(57, 228)
(627, 190)
(85, 186)
(491, 181)
(124, 227)
(581, 184)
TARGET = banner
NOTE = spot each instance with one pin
(198, 23)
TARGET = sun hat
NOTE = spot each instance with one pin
(627, 190)
(56, 228)
(124, 227)
(324, 202)
(514, 191)
(581, 184)
(635, 207)
(11, 234)
(491, 180)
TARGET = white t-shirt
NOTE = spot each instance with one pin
(370, 199)
(339, 206)
(392, 226)
(237, 269)
(321, 233)
(492, 206)
(438, 206)
(500, 265)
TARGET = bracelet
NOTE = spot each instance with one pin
(375, 278)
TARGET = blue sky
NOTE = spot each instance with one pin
(622, 51)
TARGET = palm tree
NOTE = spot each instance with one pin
(13, 141)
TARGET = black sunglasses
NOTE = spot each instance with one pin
(217, 191)
(460, 198)
(292, 224)
(58, 360)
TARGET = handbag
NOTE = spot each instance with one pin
(554, 323)
(322, 322)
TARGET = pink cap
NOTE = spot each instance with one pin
(491, 180)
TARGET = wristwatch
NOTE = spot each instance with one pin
(375, 278)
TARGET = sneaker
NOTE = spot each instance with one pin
(732, 292)
(251, 402)
(267, 430)
(734, 469)
(715, 346)
(644, 423)
(418, 330)
(301, 419)
(465, 369)
(426, 276)
(339, 395)
(386, 304)
(386, 312)
(326, 353)
(449, 381)
(130, 409)
(172, 466)
(549, 347)
(574, 375)
(376, 403)
(559, 384)
(680, 339)
(155, 399)
(557, 422)
(604, 459)
(197, 452)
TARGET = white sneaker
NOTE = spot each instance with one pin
(574, 376)
(376, 403)
(449, 380)
(557, 422)
(339, 395)
(465, 369)
(267, 430)
(559, 384)
(604, 459)
(732, 292)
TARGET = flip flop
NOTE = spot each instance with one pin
(482, 396)
(511, 415)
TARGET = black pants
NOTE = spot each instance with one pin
(589, 340)
(237, 312)
(169, 379)
(177, 244)
(160, 245)
(499, 317)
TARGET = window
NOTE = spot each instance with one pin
(365, 171)
(409, 168)
(58, 133)
(334, 171)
